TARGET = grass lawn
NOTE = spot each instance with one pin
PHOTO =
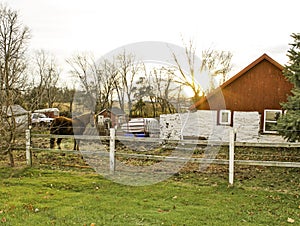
(52, 196)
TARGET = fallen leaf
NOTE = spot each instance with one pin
(3, 220)
(29, 207)
(290, 220)
(93, 224)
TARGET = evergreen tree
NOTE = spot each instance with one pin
(289, 124)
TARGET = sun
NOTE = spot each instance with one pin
(188, 92)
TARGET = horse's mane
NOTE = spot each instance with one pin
(61, 120)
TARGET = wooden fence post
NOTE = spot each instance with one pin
(231, 155)
(28, 147)
(112, 162)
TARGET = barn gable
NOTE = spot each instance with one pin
(259, 86)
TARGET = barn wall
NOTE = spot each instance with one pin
(262, 87)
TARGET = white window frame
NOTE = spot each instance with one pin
(228, 121)
(270, 121)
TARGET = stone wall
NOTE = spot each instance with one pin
(246, 125)
(203, 124)
(170, 126)
(206, 121)
(194, 124)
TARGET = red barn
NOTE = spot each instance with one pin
(115, 114)
(261, 87)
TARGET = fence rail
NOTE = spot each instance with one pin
(113, 154)
(169, 141)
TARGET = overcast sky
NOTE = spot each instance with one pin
(247, 28)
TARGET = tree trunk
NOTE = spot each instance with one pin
(11, 157)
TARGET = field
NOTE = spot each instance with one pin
(61, 195)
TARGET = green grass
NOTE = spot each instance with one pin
(52, 196)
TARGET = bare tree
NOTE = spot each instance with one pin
(109, 74)
(45, 76)
(80, 64)
(218, 63)
(13, 44)
(164, 88)
(156, 93)
(82, 70)
(96, 79)
(213, 61)
(188, 78)
(128, 69)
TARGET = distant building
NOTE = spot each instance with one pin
(49, 112)
(21, 116)
(115, 114)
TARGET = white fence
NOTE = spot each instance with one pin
(231, 161)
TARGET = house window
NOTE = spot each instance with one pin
(270, 120)
(225, 117)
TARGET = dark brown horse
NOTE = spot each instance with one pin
(67, 126)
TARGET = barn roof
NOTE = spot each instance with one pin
(15, 110)
(238, 75)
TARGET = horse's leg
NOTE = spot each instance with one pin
(78, 145)
(52, 142)
(58, 142)
(75, 144)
